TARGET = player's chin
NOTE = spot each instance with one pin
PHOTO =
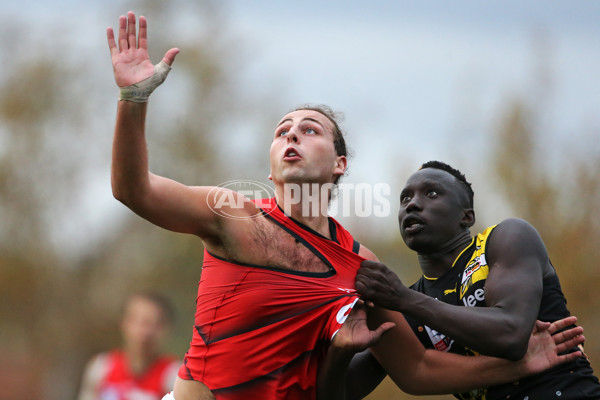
(415, 243)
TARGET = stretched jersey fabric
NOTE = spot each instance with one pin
(261, 332)
(464, 285)
(120, 383)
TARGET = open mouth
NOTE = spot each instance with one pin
(291, 153)
(412, 224)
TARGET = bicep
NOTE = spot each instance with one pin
(516, 255)
(198, 210)
(177, 207)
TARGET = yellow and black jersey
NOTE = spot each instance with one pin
(464, 285)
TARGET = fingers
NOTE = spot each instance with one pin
(568, 339)
(569, 344)
(361, 286)
(123, 33)
(570, 357)
(561, 324)
(170, 56)
(127, 36)
(369, 304)
(580, 346)
(383, 328)
(112, 45)
(143, 34)
(131, 39)
(540, 326)
(363, 304)
(377, 333)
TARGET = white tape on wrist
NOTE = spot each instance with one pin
(139, 92)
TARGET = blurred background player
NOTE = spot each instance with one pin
(139, 370)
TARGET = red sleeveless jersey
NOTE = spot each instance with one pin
(121, 384)
(260, 332)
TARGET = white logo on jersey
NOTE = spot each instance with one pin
(440, 341)
(344, 312)
(473, 267)
(471, 300)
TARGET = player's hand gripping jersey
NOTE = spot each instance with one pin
(261, 333)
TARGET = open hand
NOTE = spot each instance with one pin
(355, 336)
(130, 60)
(545, 345)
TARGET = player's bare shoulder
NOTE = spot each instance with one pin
(237, 218)
(515, 236)
(230, 206)
(366, 253)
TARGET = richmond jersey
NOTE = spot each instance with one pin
(261, 332)
(464, 285)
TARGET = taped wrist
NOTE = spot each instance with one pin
(139, 92)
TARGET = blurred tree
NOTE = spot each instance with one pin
(559, 197)
(40, 169)
(555, 185)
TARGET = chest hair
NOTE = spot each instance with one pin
(271, 246)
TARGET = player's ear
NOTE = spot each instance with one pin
(341, 163)
(468, 219)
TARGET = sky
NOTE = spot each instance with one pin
(415, 80)
(433, 70)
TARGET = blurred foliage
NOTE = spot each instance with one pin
(560, 198)
(59, 307)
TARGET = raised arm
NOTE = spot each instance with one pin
(513, 290)
(160, 200)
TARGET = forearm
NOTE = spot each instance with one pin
(364, 375)
(442, 372)
(331, 382)
(488, 330)
(419, 371)
(129, 172)
(346, 377)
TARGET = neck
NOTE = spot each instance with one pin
(139, 360)
(437, 263)
(307, 203)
